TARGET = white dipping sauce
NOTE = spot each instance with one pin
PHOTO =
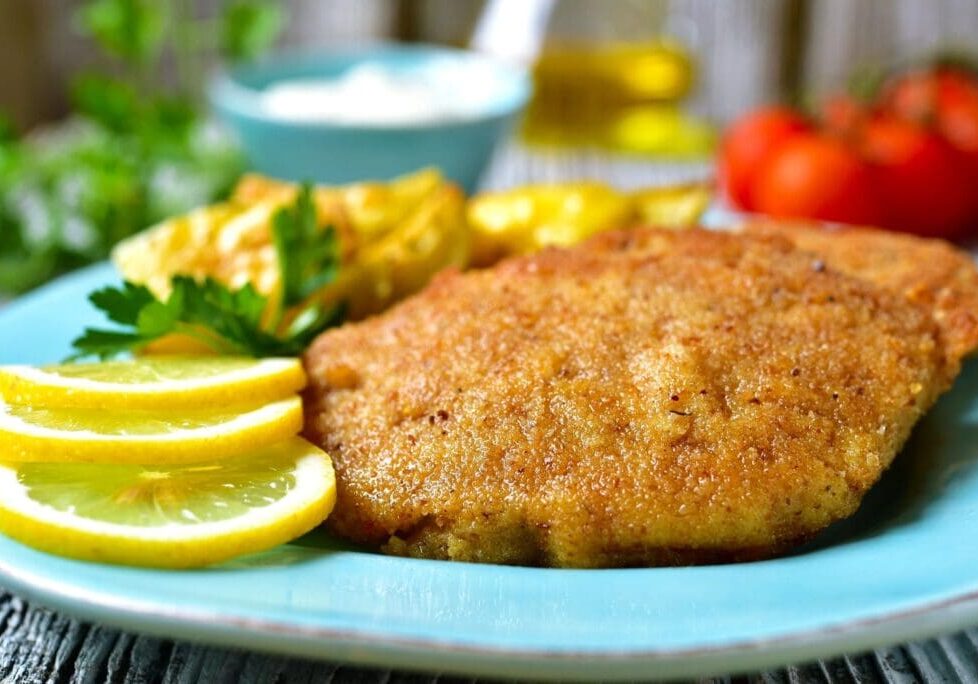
(372, 94)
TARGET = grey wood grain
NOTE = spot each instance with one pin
(846, 35)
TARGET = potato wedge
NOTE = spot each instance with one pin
(393, 237)
(529, 218)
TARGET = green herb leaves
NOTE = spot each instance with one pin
(226, 321)
(230, 321)
(308, 258)
(132, 30)
(249, 27)
(136, 31)
(139, 148)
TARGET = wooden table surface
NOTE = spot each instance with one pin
(38, 646)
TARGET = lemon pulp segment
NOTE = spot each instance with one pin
(154, 496)
(152, 370)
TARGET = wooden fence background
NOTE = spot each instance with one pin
(743, 46)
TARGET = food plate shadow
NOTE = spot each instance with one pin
(916, 479)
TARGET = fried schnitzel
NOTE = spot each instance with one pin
(647, 398)
(928, 272)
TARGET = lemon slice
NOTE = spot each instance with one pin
(70, 435)
(153, 383)
(172, 517)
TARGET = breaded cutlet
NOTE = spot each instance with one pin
(929, 272)
(647, 398)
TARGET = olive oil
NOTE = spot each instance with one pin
(621, 95)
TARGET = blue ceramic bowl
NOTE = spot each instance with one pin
(333, 152)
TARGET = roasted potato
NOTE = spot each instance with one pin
(393, 237)
(672, 206)
(529, 218)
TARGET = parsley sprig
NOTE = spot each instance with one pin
(308, 259)
(230, 321)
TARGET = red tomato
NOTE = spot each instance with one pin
(748, 143)
(843, 115)
(958, 123)
(911, 95)
(817, 176)
(957, 115)
(922, 180)
(946, 98)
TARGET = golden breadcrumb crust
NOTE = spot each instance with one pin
(932, 273)
(650, 397)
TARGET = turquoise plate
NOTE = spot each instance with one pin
(905, 566)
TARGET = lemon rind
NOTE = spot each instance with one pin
(23, 442)
(174, 545)
(268, 379)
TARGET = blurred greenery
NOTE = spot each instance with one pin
(133, 30)
(249, 27)
(133, 152)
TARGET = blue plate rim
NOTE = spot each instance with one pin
(365, 648)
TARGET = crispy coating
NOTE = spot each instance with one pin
(647, 398)
(929, 272)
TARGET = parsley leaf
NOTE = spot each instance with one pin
(308, 258)
(122, 306)
(229, 321)
(104, 343)
(309, 322)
